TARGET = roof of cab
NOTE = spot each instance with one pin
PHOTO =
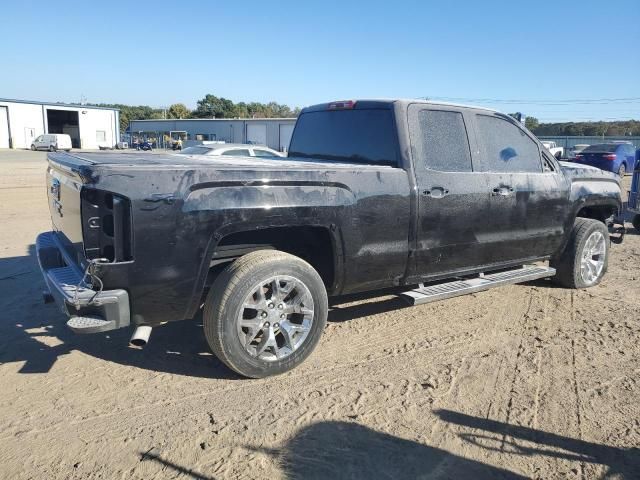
(389, 102)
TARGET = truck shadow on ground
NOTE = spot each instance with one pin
(36, 334)
(337, 449)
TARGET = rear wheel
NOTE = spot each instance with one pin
(621, 171)
(52, 148)
(635, 221)
(584, 261)
(265, 313)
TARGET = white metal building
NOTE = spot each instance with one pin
(272, 132)
(21, 121)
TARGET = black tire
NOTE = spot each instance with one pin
(558, 156)
(33, 147)
(225, 301)
(635, 221)
(621, 171)
(52, 148)
(568, 263)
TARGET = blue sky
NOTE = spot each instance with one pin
(544, 55)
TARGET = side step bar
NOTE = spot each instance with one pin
(455, 288)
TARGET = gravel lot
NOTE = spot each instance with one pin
(524, 381)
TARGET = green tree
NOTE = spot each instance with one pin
(532, 123)
(178, 110)
(213, 107)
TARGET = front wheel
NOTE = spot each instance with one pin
(584, 260)
(621, 171)
(265, 313)
(635, 221)
(33, 147)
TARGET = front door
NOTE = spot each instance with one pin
(29, 136)
(452, 195)
(528, 197)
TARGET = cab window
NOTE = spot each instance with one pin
(443, 144)
(506, 148)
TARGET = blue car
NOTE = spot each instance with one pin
(633, 205)
(613, 157)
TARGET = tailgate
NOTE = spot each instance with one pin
(63, 193)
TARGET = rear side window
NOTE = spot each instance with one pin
(360, 136)
(443, 144)
(506, 148)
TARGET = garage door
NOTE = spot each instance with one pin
(256, 134)
(4, 128)
(285, 137)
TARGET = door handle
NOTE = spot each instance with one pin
(436, 192)
(502, 191)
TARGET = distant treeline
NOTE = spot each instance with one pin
(218, 107)
(208, 107)
(587, 129)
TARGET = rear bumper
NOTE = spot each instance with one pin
(90, 311)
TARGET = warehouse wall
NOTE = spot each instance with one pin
(29, 120)
(230, 131)
(24, 120)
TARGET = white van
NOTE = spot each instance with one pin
(52, 142)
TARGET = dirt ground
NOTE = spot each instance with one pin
(524, 381)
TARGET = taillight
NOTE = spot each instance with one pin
(342, 105)
(106, 225)
(609, 156)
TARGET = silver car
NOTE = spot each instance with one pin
(232, 149)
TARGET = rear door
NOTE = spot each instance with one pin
(452, 195)
(528, 197)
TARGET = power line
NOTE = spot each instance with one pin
(576, 101)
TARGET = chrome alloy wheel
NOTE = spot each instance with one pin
(275, 318)
(593, 256)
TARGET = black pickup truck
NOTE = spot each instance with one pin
(433, 199)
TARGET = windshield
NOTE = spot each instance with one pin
(196, 150)
(601, 148)
(362, 136)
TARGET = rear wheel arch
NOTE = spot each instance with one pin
(320, 246)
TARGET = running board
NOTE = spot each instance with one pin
(441, 291)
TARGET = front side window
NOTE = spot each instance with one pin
(443, 144)
(262, 153)
(239, 152)
(505, 147)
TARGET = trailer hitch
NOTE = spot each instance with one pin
(617, 230)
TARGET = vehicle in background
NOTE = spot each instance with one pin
(52, 142)
(233, 149)
(616, 157)
(633, 203)
(143, 145)
(553, 147)
(576, 149)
